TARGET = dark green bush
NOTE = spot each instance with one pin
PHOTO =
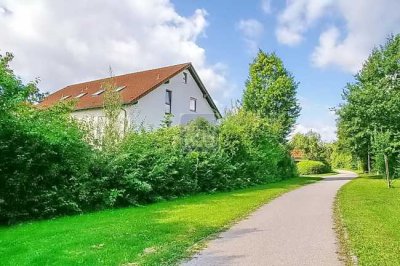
(161, 164)
(43, 160)
(255, 150)
(48, 170)
(312, 167)
(176, 161)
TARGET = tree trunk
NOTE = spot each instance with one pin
(369, 162)
(387, 171)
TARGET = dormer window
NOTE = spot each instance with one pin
(65, 97)
(192, 104)
(80, 95)
(120, 88)
(185, 77)
(98, 92)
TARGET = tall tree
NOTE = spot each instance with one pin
(271, 92)
(311, 146)
(372, 102)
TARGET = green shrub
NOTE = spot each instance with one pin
(343, 160)
(48, 170)
(182, 160)
(255, 151)
(161, 164)
(43, 160)
(312, 167)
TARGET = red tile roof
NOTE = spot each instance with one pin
(136, 86)
(297, 154)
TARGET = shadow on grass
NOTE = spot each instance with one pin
(338, 178)
(372, 176)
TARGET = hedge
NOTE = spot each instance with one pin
(308, 167)
(48, 170)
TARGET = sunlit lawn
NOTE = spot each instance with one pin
(156, 234)
(371, 217)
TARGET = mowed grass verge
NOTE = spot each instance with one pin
(157, 234)
(369, 213)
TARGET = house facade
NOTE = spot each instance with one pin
(146, 97)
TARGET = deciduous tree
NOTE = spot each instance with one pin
(372, 102)
(271, 92)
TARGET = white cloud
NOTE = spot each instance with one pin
(266, 6)
(63, 42)
(316, 117)
(297, 17)
(252, 30)
(368, 23)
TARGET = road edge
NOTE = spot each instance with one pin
(344, 249)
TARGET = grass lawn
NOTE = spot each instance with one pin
(156, 234)
(370, 214)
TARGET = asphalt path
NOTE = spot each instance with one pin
(297, 228)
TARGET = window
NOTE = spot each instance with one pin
(65, 97)
(98, 92)
(80, 95)
(192, 104)
(168, 99)
(185, 77)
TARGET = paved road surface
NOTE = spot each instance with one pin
(294, 229)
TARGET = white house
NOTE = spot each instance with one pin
(146, 96)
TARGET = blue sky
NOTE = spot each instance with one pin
(320, 88)
(322, 42)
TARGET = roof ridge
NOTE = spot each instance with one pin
(141, 71)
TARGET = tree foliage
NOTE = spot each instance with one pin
(341, 158)
(112, 107)
(271, 92)
(311, 146)
(43, 156)
(372, 103)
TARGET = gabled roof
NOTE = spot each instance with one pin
(136, 85)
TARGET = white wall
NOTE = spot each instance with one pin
(95, 120)
(149, 111)
(151, 108)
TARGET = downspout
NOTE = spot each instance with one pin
(125, 119)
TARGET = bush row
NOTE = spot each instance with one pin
(309, 167)
(47, 169)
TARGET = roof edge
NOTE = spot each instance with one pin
(117, 76)
(184, 66)
(204, 90)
